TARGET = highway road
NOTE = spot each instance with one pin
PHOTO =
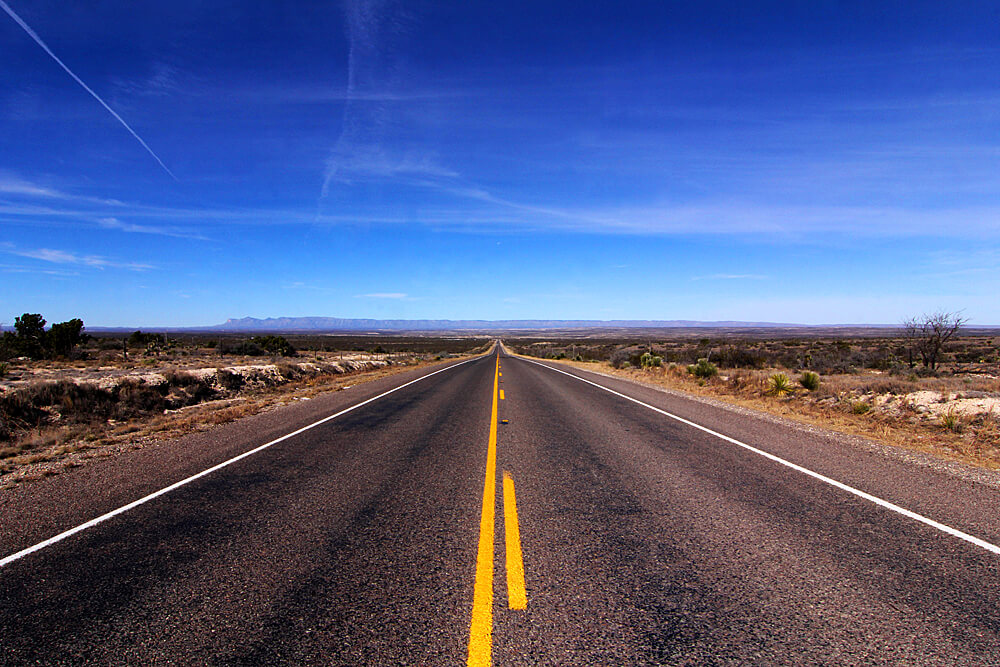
(501, 511)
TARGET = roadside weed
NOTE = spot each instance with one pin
(779, 385)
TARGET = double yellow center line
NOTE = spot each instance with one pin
(481, 628)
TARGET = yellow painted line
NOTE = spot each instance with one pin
(481, 628)
(501, 395)
(516, 596)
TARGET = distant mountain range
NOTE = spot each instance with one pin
(342, 324)
(339, 324)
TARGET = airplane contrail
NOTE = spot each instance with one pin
(42, 44)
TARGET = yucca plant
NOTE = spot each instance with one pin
(779, 385)
(810, 380)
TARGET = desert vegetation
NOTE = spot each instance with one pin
(110, 389)
(929, 384)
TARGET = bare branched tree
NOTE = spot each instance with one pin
(927, 335)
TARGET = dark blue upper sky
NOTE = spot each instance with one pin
(802, 162)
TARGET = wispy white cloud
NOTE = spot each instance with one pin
(470, 208)
(29, 199)
(12, 185)
(19, 188)
(475, 211)
(38, 40)
(13, 268)
(56, 256)
(375, 162)
(755, 219)
(116, 224)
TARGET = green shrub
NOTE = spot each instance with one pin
(810, 380)
(277, 345)
(649, 360)
(704, 369)
(860, 407)
(259, 346)
(779, 385)
(151, 343)
(4, 369)
(106, 344)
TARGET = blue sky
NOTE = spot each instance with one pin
(813, 162)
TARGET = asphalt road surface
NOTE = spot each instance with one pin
(501, 511)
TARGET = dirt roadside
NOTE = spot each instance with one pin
(66, 448)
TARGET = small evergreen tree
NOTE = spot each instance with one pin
(30, 336)
(64, 336)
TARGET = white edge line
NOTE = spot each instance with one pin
(777, 459)
(156, 494)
